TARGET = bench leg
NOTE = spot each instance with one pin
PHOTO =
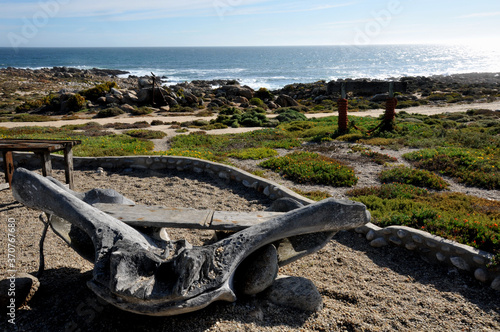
(8, 166)
(68, 166)
(46, 163)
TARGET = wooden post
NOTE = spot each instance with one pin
(8, 166)
(68, 165)
(390, 108)
(46, 163)
(153, 91)
(342, 105)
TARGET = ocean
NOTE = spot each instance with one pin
(269, 67)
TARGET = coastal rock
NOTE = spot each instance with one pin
(295, 292)
(272, 105)
(240, 100)
(232, 91)
(379, 97)
(190, 99)
(127, 108)
(258, 271)
(286, 101)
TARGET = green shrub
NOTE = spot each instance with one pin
(466, 219)
(257, 102)
(309, 167)
(254, 153)
(289, 115)
(379, 158)
(98, 91)
(479, 168)
(110, 112)
(316, 195)
(141, 111)
(264, 94)
(30, 118)
(390, 191)
(121, 125)
(416, 177)
(75, 103)
(146, 134)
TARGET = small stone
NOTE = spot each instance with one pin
(479, 260)
(446, 248)
(371, 235)
(266, 191)
(440, 257)
(395, 240)
(197, 170)
(411, 246)
(295, 292)
(386, 231)
(431, 244)
(417, 238)
(402, 234)
(223, 175)
(481, 275)
(460, 263)
(496, 284)
(258, 271)
(378, 243)
(100, 171)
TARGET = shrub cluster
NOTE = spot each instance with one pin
(479, 168)
(416, 177)
(253, 153)
(98, 91)
(378, 158)
(146, 134)
(310, 167)
(466, 219)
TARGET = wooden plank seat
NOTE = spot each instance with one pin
(161, 216)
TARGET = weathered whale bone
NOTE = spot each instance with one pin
(137, 274)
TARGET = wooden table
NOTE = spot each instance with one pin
(42, 148)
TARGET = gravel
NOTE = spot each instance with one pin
(363, 288)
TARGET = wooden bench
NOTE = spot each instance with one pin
(161, 216)
(42, 148)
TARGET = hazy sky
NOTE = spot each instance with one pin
(28, 23)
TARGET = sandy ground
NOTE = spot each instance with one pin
(363, 288)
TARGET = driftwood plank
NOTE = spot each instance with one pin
(161, 216)
(158, 216)
(236, 221)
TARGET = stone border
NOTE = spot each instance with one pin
(433, 249)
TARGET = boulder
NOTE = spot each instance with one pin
(272, 105)
(294, 292)
(286, 101)
(127, 108)
(258, 271)
(190, 99)
(232, 91)
(240, 100)
(379, 97)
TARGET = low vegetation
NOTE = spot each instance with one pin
(310, 167)
(455, 216)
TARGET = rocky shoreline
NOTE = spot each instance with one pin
(24, 90)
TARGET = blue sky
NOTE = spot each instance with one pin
(71, 23)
